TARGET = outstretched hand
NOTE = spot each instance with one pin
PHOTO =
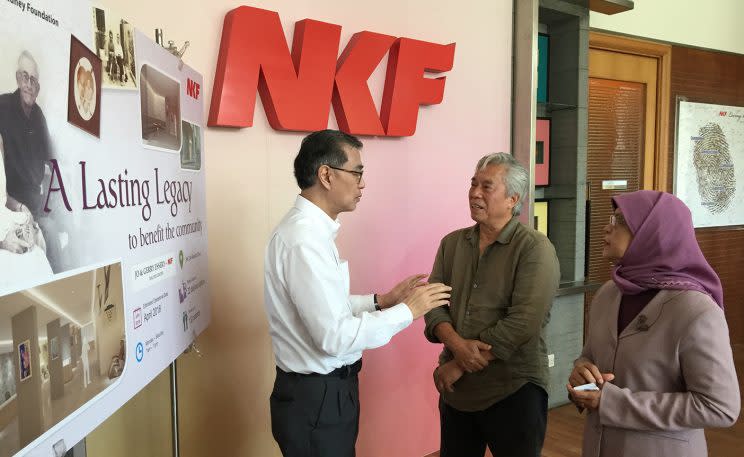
(401, 291)
(427, 297)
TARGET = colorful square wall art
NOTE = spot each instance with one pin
(543, 57)
(541, 216)
(542, 152)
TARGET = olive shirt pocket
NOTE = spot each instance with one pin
(485, 308)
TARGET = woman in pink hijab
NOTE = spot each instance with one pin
(657, 342)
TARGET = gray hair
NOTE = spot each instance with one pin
(27, 55)
(516, 178)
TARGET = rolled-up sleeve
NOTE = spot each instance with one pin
(535, 284)
(441, 314)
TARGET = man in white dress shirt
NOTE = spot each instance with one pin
(318, 330)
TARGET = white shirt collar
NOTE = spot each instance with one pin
(306, 206)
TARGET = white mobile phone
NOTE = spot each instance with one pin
(590, 386)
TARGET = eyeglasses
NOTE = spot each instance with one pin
(358, 174)
(25, 77)
(617, 219)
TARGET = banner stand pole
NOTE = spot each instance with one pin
(174, 406)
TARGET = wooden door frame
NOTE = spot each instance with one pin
(663, 54)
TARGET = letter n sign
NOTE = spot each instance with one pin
(297, 88)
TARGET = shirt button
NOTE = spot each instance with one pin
(475, 285)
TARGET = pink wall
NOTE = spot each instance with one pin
(416, 193)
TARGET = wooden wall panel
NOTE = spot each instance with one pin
(616, 136)
(713, 77)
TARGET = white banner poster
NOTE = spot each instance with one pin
(709, 164)
(103, 236)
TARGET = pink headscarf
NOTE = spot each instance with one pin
(664, 253)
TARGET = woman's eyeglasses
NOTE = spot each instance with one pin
(617, 219)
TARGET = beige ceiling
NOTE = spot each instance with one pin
(68, 299)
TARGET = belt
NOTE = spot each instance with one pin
(343, 372)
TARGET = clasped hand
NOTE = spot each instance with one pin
(468, 354)
(446, 374)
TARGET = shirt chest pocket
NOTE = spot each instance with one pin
(491, 286)
(487, 305)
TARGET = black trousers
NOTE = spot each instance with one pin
(513, 427)
(316, 415)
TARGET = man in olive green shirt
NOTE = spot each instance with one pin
(493, 372)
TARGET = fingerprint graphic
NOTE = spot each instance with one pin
(715, 169)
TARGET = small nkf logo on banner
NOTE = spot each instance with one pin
(153, 271)
(192, 89)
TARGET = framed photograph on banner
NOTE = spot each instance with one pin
(160, 100)
(24, 360)
(541, 210)
(542, 152)
(190, 146)
(543, 65)
(114, 43)
(84, 91)
(54, 348)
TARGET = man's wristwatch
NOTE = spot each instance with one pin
(377, 307)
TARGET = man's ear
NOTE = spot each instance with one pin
(324, 176)
(515, 199)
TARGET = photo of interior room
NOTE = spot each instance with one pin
(61, 344)
(191, 146)
(160, 109)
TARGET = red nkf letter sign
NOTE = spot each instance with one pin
(297, 88)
